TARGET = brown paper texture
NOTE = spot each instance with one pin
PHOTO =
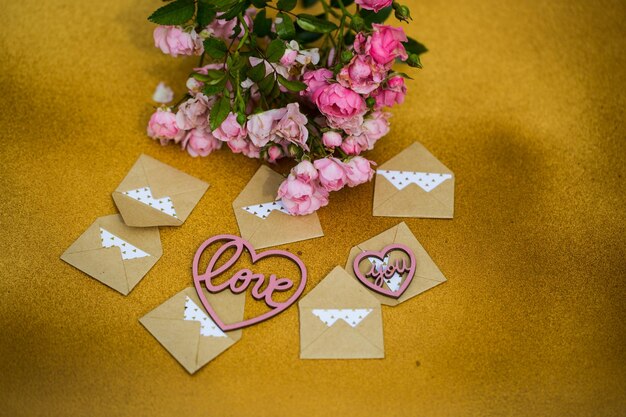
(427, 274)
(340, 340)
(182, 338)
(277, 228)
(164, 181)
(412, 201)
(106, 264)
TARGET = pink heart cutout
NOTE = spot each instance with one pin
(381, 255)
(240, 244)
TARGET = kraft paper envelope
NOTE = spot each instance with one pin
(182, 326)
(263, 221)
(414, 184)
(340, 319)
(155, 194)
(115, 254)
(427, 274)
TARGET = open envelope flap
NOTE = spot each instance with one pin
(412, 201)
(339, 290)
(147, 239)
(164, 181)
(427, 274)
(415, 158)
(182, 338)
(278, 227)
(341, 341)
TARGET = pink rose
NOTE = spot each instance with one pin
(274, 153)
(385, 44)
(332, 173)
(230, 129)
(289, 57)
(262, 126)
(193, 112)
(200, 142)
(331, 139)
(173, 40)
(351, 146)
(358, 171)
(162, 126)
(343, 107)
(292, 126)
(305, 171)
(315, 80)
(392, 93)
(301, 198)
(374, 5)
(362, 74)
(374, 127)
(244, 146)
(220, 28)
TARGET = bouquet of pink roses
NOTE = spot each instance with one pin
(273, 83)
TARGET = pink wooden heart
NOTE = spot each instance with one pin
(378, 274)
(242, 279)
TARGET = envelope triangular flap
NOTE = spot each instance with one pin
(137, 214)
(340, 341)
(146, 239)
(89, 240)
(260, 189)
(339, 290)
(415, 158)
(104, 264)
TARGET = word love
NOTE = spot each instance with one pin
(381, 271)
(241, 280)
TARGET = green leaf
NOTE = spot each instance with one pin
(234, 11)
(291, 85)
(401, 74)
(286, 5)
(414, 47)
(175, 13)
(262, 25)
(267, 84)
(223, 5)
(215, 48)
(257, 73)
(219, 112)
(304, 37)
(275, 50)
(210, 90)
(346, 3)
(205, 15)
(313, 24)
(284, 26)
(370, 16)
(259, 4)
(309, 3)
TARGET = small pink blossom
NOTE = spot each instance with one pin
(359, 171)
(331, 139)
(262, 126)
(162, 126)
(351, 146)
(332, 173)
(193, 112)
(343, 107)
(305, 171)
(374, 5)
(292, 126)
(230, 129)
(374, 127)
(244, 146)
(274, 153)
(363, 75)
(200, 142)
(173, 40)
(301, 198)
(315, 80)
(392, 93)
(385, 44)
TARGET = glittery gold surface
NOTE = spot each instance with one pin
(524, 101)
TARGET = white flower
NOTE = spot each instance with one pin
(163, 94)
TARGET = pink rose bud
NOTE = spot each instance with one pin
(261, 127)
(274, 153)
(174, 40)
(315, 80)
(358, 171)
(343, 108)
(162, 126)
(393, 93)
(193, 112)
(363, 75)
(200, 142)
(351, 146)
(230, 129)
(305, 172)
(374, 5)
(292, 126)
(301, 198)
(331, 139)
(332, 173)
(385, 44)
